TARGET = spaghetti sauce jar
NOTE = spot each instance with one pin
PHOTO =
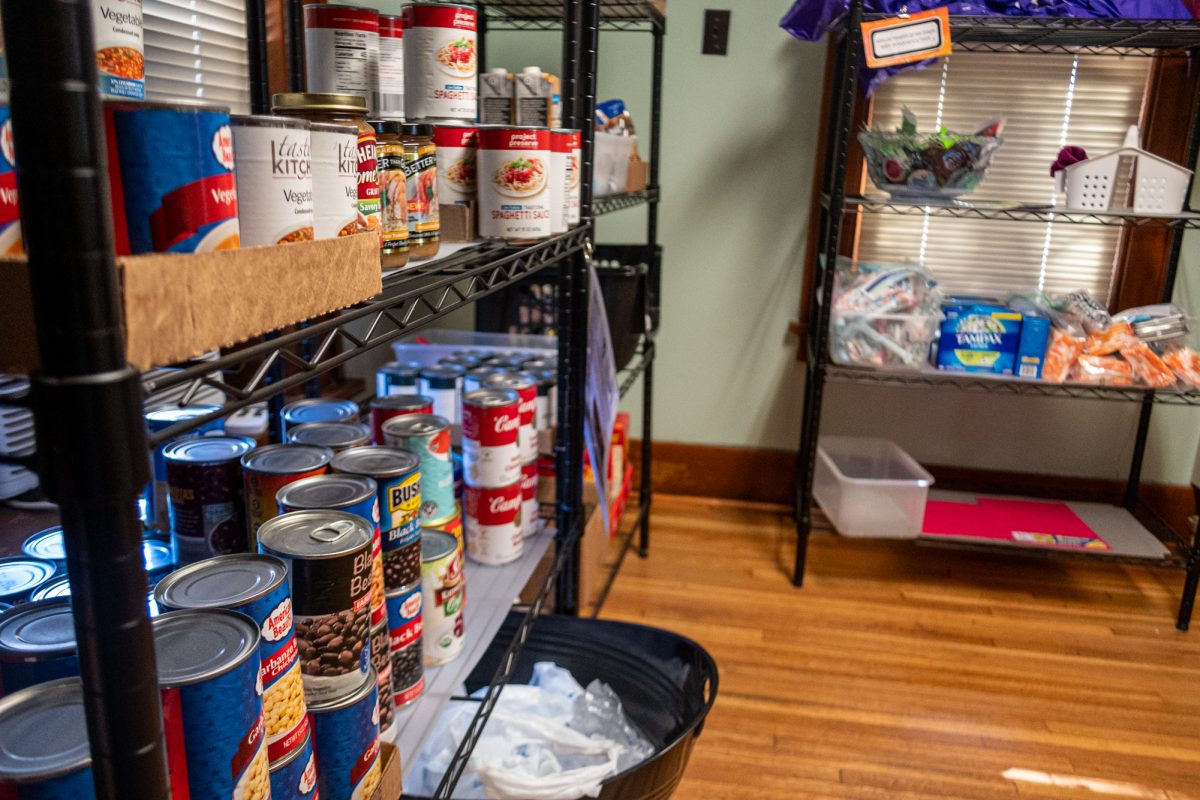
(420, 172)
(346, 109)
(393, 193)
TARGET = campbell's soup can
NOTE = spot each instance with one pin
(334, 179)
(267, 470)
(525, 385)
(37, 645)
(442, 584)
(514, 182)
(396, 405)
(212, 707)
(10, 213)
(44, 752)
(117, 31)
(564, 174)
(186, 203)
(328, 554)
(492, 523)
(206, 497)
(456, 162)
(491, 429)
(427, 435)
(530, 510)
(341, 50)
(381, 660)
(391, 67)
(255, 585)
(440, 62)
(346, 742)
(294, 776)
(274, 179)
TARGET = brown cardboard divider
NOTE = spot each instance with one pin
(179, 306)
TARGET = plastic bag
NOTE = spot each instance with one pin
(883, 317)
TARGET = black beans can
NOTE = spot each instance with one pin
(381, 659)
(328, 554)
(207, 499)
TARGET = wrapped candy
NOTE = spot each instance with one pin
(1185, 363)
(1102, 371)
(1061, 354)
(1105, 343)
(1148, 368)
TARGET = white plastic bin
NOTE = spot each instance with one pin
(870, 487)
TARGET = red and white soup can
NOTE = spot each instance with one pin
(525, 386)
(529, 498)
(440, 61)
(456, 162)
(341, 50)
(492, 523)
(491, 425)
(514, 180)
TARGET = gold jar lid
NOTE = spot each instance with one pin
(313, 101)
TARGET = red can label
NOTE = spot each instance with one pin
(491, 426)
(491, 450)
(529, 481)
(493, 523)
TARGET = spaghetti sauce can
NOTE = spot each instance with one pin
(267, 470)
(341, 50)
(492, 523)
(391, 67)
(334, 180)
(120, 59)
(491, 447)
(442, 584)
(514, 180)
(456, 160)
(274, 179)
(440, 61)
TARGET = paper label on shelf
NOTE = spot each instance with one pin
(903, 40)
(602, 393)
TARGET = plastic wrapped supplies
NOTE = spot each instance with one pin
(884, 317)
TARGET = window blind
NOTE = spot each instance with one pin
(196, 49)
(1049, 101)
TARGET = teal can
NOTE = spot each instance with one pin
(428, 436)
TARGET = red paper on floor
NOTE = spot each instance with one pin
(1025, 522)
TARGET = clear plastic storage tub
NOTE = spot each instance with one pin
(870, 487)
(430, 345)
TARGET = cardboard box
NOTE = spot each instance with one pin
(639, 175)
(457, 222)
(180, 306)
(391, 780)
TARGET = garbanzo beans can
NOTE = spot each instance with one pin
(513, 182)
(44, 749)
(274, 179)
(294, 777)
(346, 741)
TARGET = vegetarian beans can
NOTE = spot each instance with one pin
(491, 427)
(391, 67)
(381, 660)
(318, 409)
(456, 162)
(257, 586)
(397, 377)
(514, 183)
(427, 435)
(159, 419)
(525, 385)
(492, 523)
(44, 749)
(268, 469)
(530, 509)
(396, 405)
(11, 243)
(206, 497)
(346, 743)
(294, 776)
(328, 554)
(186, 203)
(335, 436)
(440, 61)
(334, 179)
(120, 59)
(442, 584)
(397, 475)
(274, 179)
(341, 50)
(37, 645)
(212, 705)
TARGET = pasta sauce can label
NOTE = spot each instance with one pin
(456, 161)
(341, 50)
(515, 197)
(10, 212)
(440, 62)
(117, 28)
(564, 167)
(274, 179)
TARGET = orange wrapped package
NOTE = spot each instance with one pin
(1185, 362)
(1147, 366)
(1102, 371)
(1061, 355)
(1109, 342)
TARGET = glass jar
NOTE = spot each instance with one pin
(420, 172)
(393, 193)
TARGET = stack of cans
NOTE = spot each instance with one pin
(492, 445)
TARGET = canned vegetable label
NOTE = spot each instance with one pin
(117, 29)
(442, 585)
(335, 180)
(440, 62)
(10, 212)
(274, 180)
(295, 777)
(456, 161)
(346, 741)
(404, 616)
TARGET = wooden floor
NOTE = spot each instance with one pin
(906, 672)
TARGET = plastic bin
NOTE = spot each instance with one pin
(870, 487)
(430, 345)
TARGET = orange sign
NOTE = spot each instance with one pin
(903, 40)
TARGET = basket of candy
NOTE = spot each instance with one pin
(942, 165)
(883, 316)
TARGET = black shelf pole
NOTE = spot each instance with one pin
(256, 51)
(87, 400)
(295, 50)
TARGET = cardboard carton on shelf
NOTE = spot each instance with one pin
(390, 776)
(457, 222)
(638, 179)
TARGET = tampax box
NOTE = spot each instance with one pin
(978, 336)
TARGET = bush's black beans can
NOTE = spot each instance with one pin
(381, 660)
(44, 750)
(396, 474)
(37, 645)
(207, 498)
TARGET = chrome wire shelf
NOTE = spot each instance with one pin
(1012, 212)
(620, 202)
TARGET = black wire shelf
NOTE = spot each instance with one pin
(643, 358)
(523, 15)
(1012, 212)
(620, 202)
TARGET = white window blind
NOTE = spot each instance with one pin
(1049, 101)
(196, 49)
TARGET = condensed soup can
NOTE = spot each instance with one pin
(37, 645)
(183, 204)
(396, 405)
(427, 435)
(442, 585)
(442, 384)
(206, 497)
(120, 59)
(530, 510)
(212, 706)
(492, 523)
(456, 163)
(474, 379)
(318, 409)
(491, 428)
(334, 180)
(294, 776)
(391, 67)
(257, 586)
(274, 179)
(440, 61)
(397, 475)
(525, 385)
(44, 749)
(335, 436)
(514, 182)
(396, 377)
(341, 50)
(346, 742)
(11, 243)
(328, 555)
(381, 660)
(268, 469)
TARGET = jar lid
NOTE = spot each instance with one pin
(315, 101)
(416, 129)
(387, 126)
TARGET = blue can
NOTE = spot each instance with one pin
(404, 616)
(395, 472)
(295, 776)
(346, 742)
(37, 644)
(44, 750)
(456, 464)
(317, 409)
(47, 545)
(159, 419)
(172, 183)
(397, 377)
(21, 575)
(211, 703)
(61, 587)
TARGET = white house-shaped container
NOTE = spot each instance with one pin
(1105, 183)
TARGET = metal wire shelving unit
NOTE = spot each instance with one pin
(1015, 36)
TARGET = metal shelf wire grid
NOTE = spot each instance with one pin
(620, 202)
(1012, 212)
(623, 15)
(628, 376)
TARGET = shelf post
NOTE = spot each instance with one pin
(87, 401)
(256, 53)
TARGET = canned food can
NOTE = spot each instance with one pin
(51, 590)
(393, 189)
(317, 409)
(467, 362)
(47, 545)
(336, 436)
(346, 743)
(474, 379)
(44, 749)
(21, 575)
(274, 179)
(440, 61)
(159, 419)
(391, 67)
(397, 377)
(328, 555)
(11, 243)
(158, 561)
(491, 426)
(186, 203)
(381, 660)
(211, 704)
(334, 179)
(37, 645)
(386, 407)
(341, 50)
(427, 435)
(206, 497)
(268, 469)
(567, 144)
(456, 460)
(442, 584)
(525, 385)
(404, 616)
(442, 384)
(451, 524)
(294, 776)
(514, 187)
(456, 160)
(120, 60)
(530, 509)
(492, 523)
(257, 586)
(408, 674)
(547, 399)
